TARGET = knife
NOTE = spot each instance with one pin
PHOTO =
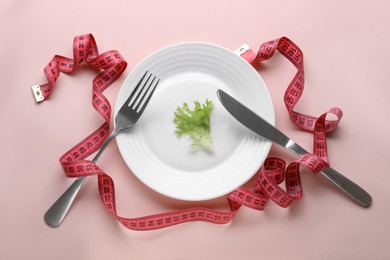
(261, 127)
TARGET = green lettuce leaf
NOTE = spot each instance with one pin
(195, 123)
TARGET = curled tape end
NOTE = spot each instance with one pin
(38, 95)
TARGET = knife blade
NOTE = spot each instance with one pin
(266, 130)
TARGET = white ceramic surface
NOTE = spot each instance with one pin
(188, 72)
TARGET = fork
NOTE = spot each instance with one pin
(127, 116)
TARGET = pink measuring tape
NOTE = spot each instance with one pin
(270, 175)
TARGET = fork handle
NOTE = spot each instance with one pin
(57, 212)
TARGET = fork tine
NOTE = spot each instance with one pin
(145, 90)
(140, 93)
(135, 89)
(149, 96)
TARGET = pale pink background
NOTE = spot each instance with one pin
(347, 62)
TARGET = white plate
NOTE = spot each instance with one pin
(168, 165)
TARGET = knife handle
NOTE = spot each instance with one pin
(349, 187)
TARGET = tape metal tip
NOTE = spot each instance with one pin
(241, 50)
(38, 95)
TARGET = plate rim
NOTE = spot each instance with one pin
(266, 91)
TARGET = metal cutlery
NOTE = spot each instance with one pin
(261, 127)
(127, 116)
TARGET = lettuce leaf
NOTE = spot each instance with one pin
(195, 123)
